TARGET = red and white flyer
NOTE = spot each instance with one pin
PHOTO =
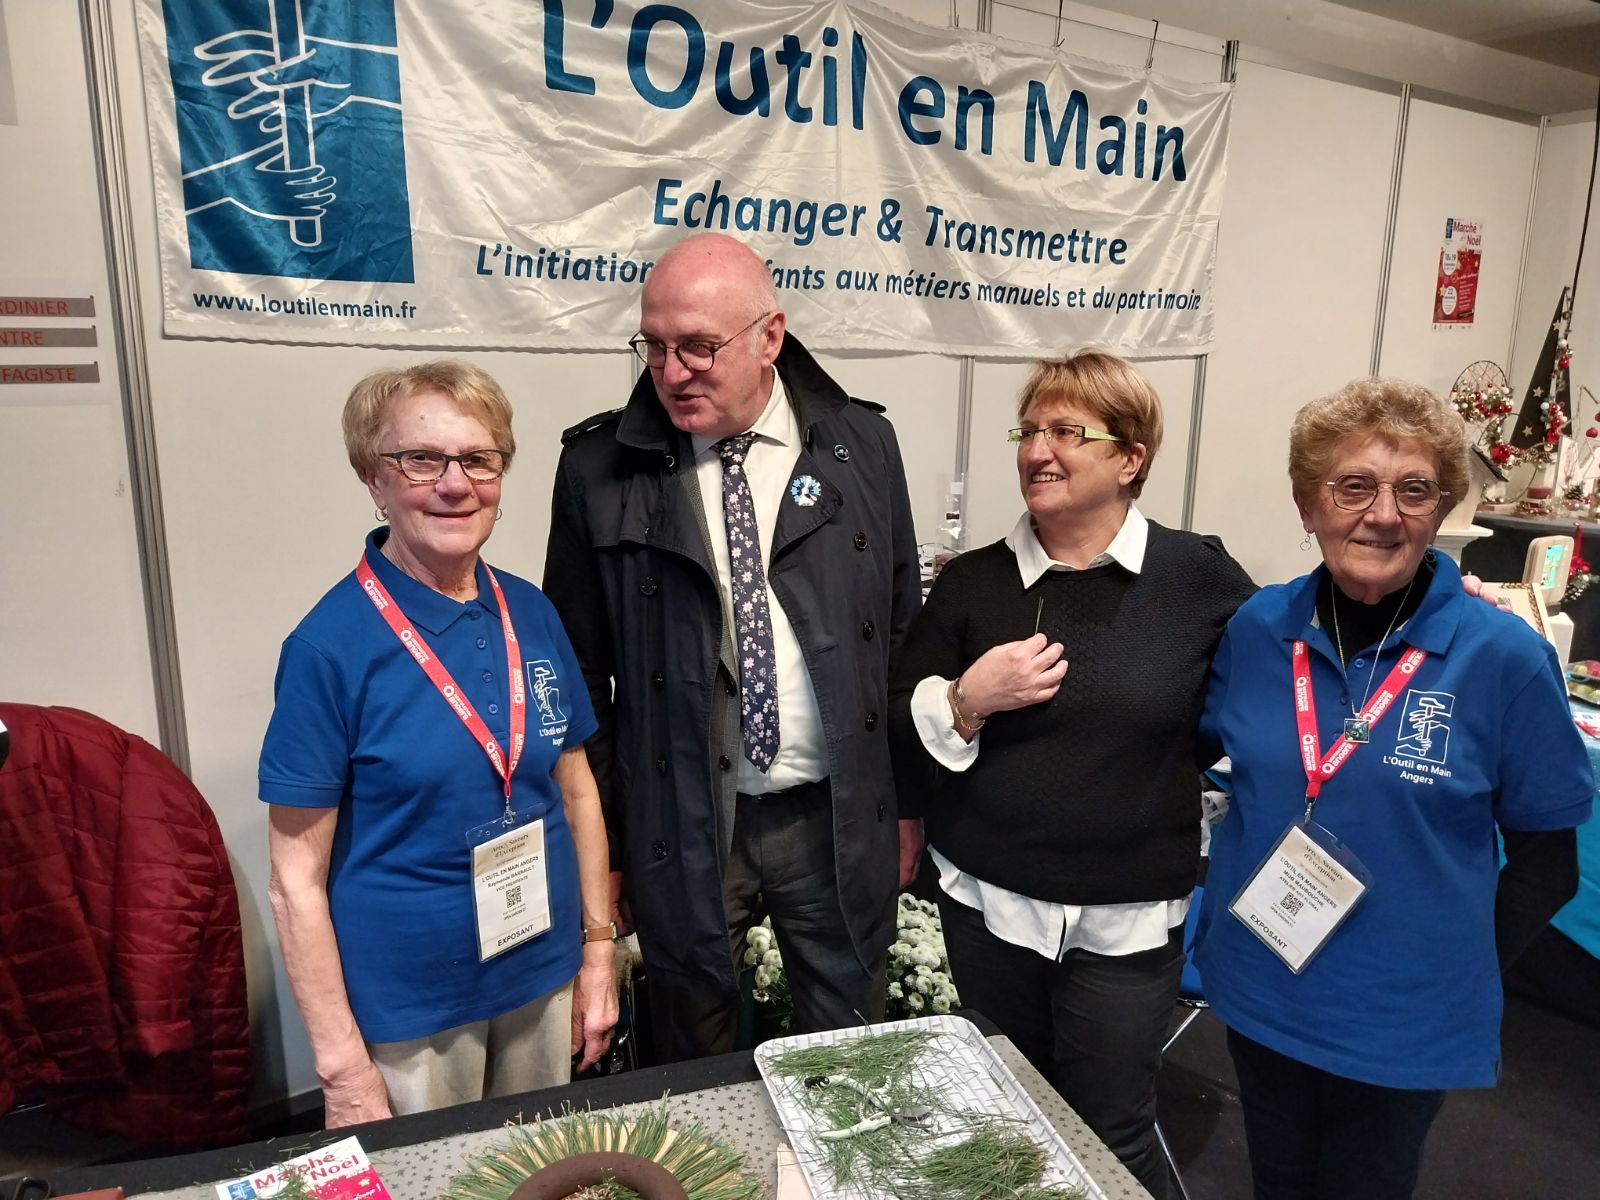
(337, 1172)
(1455, 294)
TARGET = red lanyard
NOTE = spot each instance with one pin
(445, 682)
(1320, 769)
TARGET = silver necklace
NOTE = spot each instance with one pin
(1358, 728)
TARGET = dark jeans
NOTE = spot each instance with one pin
(1092, 1024)
(1314, 1135)
(781, 865)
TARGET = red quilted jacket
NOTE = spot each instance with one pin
(122, 988)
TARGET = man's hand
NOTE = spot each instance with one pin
(355, 1096)
(594, 1007)
(911, 841)
(621, 913)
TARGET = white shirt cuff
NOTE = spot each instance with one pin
(936, 725)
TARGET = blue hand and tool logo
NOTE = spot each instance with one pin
(289, 127)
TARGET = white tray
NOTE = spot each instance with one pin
(960, 1066)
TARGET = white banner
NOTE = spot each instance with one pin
(503, 174)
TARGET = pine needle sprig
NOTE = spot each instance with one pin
(990, 1164)
(878, 1060)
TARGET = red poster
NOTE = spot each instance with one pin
(1455, 295)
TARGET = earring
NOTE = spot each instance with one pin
(381, 514)
(1305, 542)
(498, 513)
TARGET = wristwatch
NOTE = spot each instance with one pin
(600, 933)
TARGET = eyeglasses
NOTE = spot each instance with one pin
(695, 355)
(1412, 497)
(429, 466)
(1070, 434)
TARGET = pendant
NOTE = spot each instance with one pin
(1356, 729)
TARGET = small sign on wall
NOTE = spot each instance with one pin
(49, 344)
(1455, 293)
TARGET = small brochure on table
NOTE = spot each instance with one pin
(337, 1172)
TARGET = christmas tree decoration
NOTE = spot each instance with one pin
(1544, 416)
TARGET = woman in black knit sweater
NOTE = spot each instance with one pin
(1051, 687)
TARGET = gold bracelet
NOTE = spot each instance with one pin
(964, 723)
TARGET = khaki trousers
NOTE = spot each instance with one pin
(520, 1051)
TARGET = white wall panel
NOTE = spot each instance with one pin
(1447, 151)
(1565, 164)
(1298, 262)
(72, 622)
(920, 395)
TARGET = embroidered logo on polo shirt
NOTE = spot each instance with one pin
(1422, 739)
(1425, 726)
(544, 684)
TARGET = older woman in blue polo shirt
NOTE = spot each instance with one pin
(1382, 726)
(439, 861)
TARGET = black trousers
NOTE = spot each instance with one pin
(781, 865)
(1314, 1135)
(1092, 1024)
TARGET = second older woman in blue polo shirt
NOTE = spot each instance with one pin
(1382, 727)
(439, 861)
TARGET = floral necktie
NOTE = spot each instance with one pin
(758, 677)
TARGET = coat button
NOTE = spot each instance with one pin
(871, 722)
(648, 587)
(867, 630)
(661, 765)
(882, 808)
(861, 540)
(724, 762)
(658, 679)
(659, 849)
(730, 688)
(842, 453)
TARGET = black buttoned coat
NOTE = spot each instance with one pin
(629, 570)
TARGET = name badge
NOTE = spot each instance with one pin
(510, 888)
(1304, 889)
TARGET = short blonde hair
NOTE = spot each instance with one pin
(1117, 395)
(472, 390)
(1387, 408)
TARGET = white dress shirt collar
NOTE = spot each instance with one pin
(1127, 548)
(776, 424)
